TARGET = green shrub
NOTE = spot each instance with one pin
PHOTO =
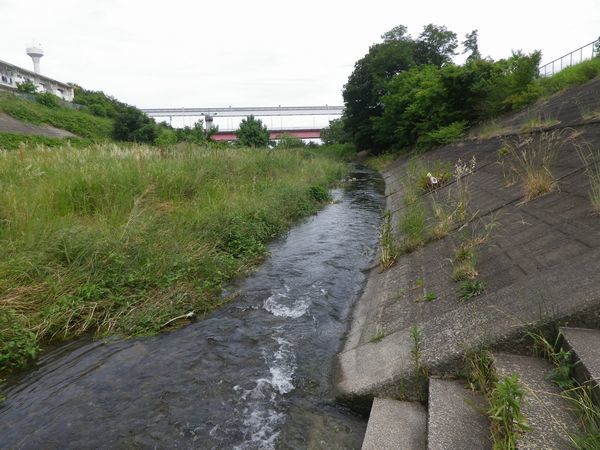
(444, 135)
(319, 194)
(166, 138)
(47, 99)
(27, 87)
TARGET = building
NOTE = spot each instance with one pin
(11, 75)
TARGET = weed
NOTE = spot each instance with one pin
(388, 249)
(588, 412)
(590, 113)
(464, 271)
(18, 346)
(381, 162)
(470, 288)
(561, 375)
(412, 226)
(532, 161)
(591, 158)
(429, 297)
(503, 151)
(416, 352)
(539, 123)
(508, 421)
(482, 376)
(319, 194)
(378, 336)
(430, 179)
(581, 397)
(490, 129)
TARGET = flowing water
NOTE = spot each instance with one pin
(255, 374)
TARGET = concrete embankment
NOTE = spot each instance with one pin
(540, 264)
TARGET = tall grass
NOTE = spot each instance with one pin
(122, 239)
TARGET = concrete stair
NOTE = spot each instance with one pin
(584, 345)
(457, 417)
(395, 425)
(547, 412)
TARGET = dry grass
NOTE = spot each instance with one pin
(532, 161)
(591, 158)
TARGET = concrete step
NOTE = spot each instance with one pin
(395, 425)
(585, 347)
(457, 417)
(548, 414)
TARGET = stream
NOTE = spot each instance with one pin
(257, 374)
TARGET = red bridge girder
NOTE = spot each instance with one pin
(275, 134)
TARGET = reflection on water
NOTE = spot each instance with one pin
(255, 374)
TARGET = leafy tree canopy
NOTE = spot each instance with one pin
(252, 133)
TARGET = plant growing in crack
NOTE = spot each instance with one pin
(469, 289)
(532, 159)
(591, 159)
(387, 244)
(506, 416)
(379, 335)
(416, 352)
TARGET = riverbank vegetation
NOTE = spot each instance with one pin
(121, 239)
(406, 93)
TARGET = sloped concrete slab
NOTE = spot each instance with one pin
(499, 318)
(547, 412)
(457, 418)
(585, 345)
(395, 425)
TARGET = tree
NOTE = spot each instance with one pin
(166, 138)
(368, 81)
(131, 124)
(252, 133)
(471, 45)
(334, 134)
(27, 87)
(435, 45)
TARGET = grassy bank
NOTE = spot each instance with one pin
(12, 141)
(81, 123)
(120, 240)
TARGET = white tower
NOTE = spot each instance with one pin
(36, 52)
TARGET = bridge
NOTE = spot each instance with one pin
(246, 111)
(300, 128)
(299, 132)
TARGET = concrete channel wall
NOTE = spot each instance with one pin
(540, 265)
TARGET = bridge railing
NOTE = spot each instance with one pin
(584, 53)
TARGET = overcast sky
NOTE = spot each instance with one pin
(263, 52)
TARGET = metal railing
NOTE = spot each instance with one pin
(584, 53)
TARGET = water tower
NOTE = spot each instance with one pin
(36, 52)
